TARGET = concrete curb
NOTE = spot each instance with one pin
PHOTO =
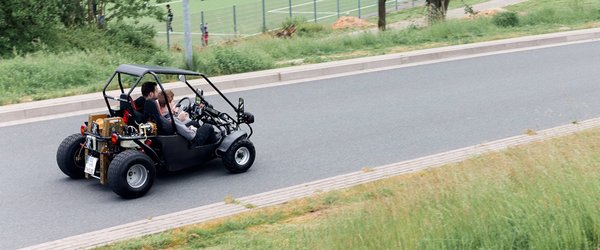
(72, 104)
(280, 196)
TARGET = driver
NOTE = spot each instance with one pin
(147, 103)
(204, 134)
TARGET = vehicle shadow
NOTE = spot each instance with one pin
(211, 169)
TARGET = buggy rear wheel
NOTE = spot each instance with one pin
(70, 156)
(240, 156)
(131, 174)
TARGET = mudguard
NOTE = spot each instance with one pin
(230, 139)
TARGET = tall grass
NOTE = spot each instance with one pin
(44, 75)
(545, 195)
(229, 60)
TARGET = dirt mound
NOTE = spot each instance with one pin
(488, 12)
(350, 22)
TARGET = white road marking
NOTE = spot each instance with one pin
(160, 4)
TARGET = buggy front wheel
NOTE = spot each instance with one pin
(240, 156)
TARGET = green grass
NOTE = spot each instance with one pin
(544, 195)
(249, 19)
(421, 11)
(82, 65)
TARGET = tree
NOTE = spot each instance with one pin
(29, 25)
(99, 11)
(73, 13)
(381, 13)
(437, 9)
(23, 24)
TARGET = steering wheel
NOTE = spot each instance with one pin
(185, 104)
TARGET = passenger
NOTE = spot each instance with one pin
(204, 134)
(150, 108)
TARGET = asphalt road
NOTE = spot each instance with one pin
(310, 131)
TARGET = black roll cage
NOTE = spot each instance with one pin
(140, 71)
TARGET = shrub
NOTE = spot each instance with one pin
(204, 63)
(542, 16)
(44, 75)
(506, 19)
(137, 36)
(293, 21)
(310, 29)
(304, 28)
(227, 60)
(231, 61)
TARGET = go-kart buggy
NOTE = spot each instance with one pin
(122, 150)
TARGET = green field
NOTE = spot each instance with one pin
(249, 18)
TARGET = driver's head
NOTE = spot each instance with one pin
(149, 90)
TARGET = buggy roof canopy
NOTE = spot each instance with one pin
(140, 70)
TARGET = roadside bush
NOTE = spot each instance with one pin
(506, 19)
(78, 65)
(202, 62)
(231, 60)
(310, 29)
(44, 75)
(227, 60)
(304, 28)
(135, 36)
(293, 21)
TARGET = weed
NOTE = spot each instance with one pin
(367, 169)
(506, 19)
(530, 132)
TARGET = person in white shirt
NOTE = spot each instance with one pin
(202, 135)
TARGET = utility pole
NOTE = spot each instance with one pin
(381, 13)
(187, 34)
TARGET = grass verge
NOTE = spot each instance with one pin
(544, 195)
(53, 75)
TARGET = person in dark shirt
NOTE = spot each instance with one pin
(149, 92)
(149, 105)
(169, 18)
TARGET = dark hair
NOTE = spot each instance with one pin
(147, 88)
(168, 6)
